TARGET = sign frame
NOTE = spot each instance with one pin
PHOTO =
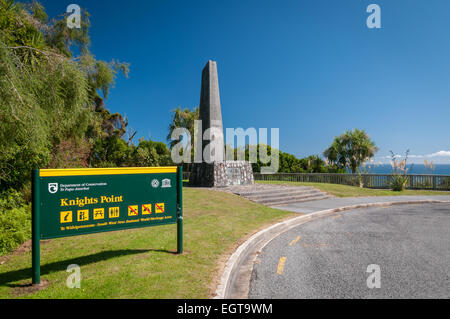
(37, 174)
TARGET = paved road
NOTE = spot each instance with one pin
(328, 257)
(314, 206)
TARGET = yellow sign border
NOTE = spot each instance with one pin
(106, 171)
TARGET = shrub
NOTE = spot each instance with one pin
(398, 183)
(399, 177)
(15, 221)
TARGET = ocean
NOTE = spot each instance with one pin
(440, 169)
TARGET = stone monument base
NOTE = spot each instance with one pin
(221, 174)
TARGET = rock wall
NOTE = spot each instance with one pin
(221, 174)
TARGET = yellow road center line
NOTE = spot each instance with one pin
(294, 241)
(280, 268)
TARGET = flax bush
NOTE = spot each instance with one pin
(399, 177)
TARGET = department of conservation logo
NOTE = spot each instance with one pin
(52, 188)
(155, 183)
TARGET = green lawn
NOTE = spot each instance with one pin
(352, 191)
(141, 263)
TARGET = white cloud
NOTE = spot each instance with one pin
(440, 154)
(441, 157)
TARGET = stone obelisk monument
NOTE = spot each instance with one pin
(211, 115)
(212, 170)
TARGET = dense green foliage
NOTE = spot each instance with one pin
(52, 109)
(288, 163)
(351, 150)
(15, 221)
(52, 105)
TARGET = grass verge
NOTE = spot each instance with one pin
(352, 191)
(142, 263)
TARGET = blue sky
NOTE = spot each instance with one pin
(311, 68)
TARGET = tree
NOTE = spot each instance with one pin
(183, 119)
(351, 150)
(288, 163)
(51, 111)
(150, 153)
(110, 151)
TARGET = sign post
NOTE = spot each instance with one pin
(35, 232)
(180, 210)
(72, 202)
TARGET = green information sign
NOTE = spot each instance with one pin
(73, 202)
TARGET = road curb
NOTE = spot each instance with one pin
(235, 279)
